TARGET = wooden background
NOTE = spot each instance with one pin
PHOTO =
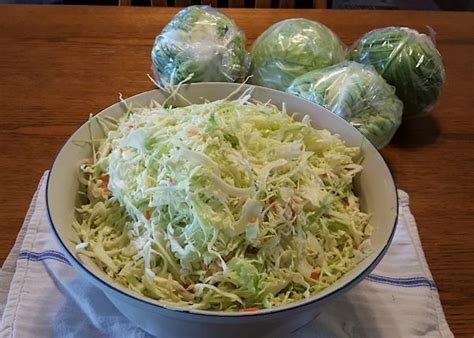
(60, 63)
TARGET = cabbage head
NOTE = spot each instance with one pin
(358, 94)
(406, 59)
(202, 43)
(291, 48)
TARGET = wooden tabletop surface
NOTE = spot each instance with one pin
(60, 63)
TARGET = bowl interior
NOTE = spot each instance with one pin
(374, 186)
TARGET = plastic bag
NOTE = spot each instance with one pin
(358, 94)
(407, 60)
(202, 44)
(291, 48)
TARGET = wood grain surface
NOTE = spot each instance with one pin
(60, 63)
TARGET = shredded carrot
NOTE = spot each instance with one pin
(105, 179)
(296, 199)
(253, 219)
(315, 274)
(148, 214)
(249, 309)
(192, 131)
(276, 207)
(293, 212)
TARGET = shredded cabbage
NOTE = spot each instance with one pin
(224, 206)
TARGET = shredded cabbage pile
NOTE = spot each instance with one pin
(225, 206)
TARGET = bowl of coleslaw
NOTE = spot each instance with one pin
(217, 209)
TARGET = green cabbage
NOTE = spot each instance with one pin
(223, 206)
(291, 48)
(201, 43)
(358, 94)
(407, 60)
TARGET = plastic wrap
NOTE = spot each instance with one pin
(203, 42)
(358, 94)
(407, 60)
(291, 48)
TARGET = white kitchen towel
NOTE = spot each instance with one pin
(41, 295)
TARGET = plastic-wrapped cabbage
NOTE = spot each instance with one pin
(407, 60)
(203, 42)
(358, 94)
(291, 48)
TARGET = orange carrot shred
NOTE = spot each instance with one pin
(192, 132)
(249, 309)
(293, 212)
(105, 179)
(315, 274)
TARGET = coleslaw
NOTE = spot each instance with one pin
(230, 205)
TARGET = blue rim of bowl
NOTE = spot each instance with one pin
(205, 313)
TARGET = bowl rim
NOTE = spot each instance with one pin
(222, 314)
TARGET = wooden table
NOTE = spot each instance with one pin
(59, 63)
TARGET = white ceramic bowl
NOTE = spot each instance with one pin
(374, 186)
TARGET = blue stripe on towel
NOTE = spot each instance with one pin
(43, 255)
(412, 282)
(403, 282)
